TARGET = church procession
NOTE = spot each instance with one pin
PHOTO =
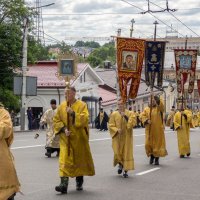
(68, 130)
(82, 138)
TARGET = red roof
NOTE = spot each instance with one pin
(107, 96)
(46, 73)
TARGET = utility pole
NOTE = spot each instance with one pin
(24, 69)
(155, 23)
(116, 69)
(131, 30)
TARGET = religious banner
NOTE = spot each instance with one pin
(185, 60)
(154, 62)
(130, 55)
(198, 86)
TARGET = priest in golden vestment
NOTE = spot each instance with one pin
(75, 158)
(9, 183)
(121, 125)
(182, 123)
(170, 118)
(198, 115)
(155, 145)
(196, 118)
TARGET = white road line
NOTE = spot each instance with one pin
(139, 145)
(147, 171)
(100, 139)
(139, 135)
(25, 147)
(92, 140)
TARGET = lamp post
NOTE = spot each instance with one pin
(131, 30)
(24, 69)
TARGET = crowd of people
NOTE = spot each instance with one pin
(68, 135)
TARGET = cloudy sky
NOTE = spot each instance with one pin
(93, 18)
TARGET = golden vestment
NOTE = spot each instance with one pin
(122, 144)
(170, 118)
(154, 138)
(183, 134)
(79, 161)
(9, 183)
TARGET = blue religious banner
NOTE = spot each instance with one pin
(154, 62)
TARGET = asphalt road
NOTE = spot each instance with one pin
(173, 179)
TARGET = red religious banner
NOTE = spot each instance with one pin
(130, 55)
(185, 60)
(198, 85)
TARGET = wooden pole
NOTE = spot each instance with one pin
(67, 80)
(151, 102)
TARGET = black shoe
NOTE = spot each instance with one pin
(48, 154)
(63, 185)
(79, 183)
(182, 156)
(125, 174)
(120, 168)
(156, 160)
(188, 154)
(12, 197)
(151, 160)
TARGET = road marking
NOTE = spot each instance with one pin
(147, 171)
(100, 139)
(41, 145)
(139, 145)
(139, 135)
(25, 147)
(20, 140)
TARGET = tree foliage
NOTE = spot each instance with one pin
(99, 55)
(12, 14)
(91, 44)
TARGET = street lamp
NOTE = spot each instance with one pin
(131, 30)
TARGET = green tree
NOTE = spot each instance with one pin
(36, 51)
(90, 44)
(94, 61)
(11, 34)
(106, 52)
(79, 44)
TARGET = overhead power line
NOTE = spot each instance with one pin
(156, 11)
(154, 17)
(177, 19)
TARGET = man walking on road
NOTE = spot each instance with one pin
(121, 125)
(71, 123)
(182, 121)
(52, 141)
(154, 130)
